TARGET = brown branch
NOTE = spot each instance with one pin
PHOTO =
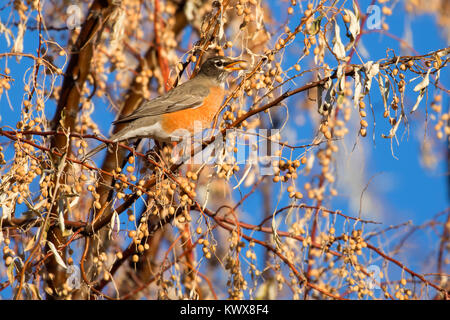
(78, 69)
(412, 273)
(163, 65)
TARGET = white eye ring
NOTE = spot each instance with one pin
(219, 63)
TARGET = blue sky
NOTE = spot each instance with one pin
(401, 188)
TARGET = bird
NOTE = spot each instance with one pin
(169, 116)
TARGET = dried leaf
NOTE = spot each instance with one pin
(275, 236)
(39, 205)
(358, 87)
(393, 129)
(115, 220)
(61, 206)
(118, 29)
(58, 258)
(438, 75)
(10, 273)
(341, 77)
(118, 222)
(371, 69)
(424, 83)
(7, 200)
(319, 97)
(18, 42)
(74, 202)
(315, 26)
(419, 98)
(384, 89)
(30, 244)
(325, 106)
(338, 47)
(354, 27)
(422, 86)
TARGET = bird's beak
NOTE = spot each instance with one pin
(236, 65)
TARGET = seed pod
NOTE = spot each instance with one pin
(363, 132)
(298, 195)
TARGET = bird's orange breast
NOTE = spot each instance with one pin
(185, 119)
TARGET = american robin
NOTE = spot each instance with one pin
(166, 116)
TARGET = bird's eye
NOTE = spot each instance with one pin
(219, 63)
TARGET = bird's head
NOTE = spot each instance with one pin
(220, 67)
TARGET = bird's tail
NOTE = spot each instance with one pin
(116, 137)
(95, 151)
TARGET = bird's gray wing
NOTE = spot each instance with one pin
(188, 95)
